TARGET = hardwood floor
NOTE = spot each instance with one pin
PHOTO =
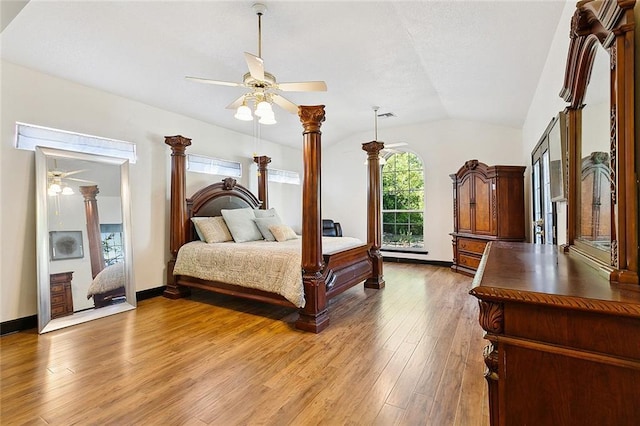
(409, 354)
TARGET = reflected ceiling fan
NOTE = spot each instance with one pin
(263, 87)
(388, 149)
(55, 181)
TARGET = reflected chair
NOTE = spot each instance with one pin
(331, 228)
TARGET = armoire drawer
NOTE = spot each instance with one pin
(471, 246)
(469, 261)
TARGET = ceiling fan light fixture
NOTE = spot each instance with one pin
(263, 108)
(54, 188)
(244, 113)
(268, 118)
(67, 191)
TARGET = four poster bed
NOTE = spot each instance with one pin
(321, 274)
(107, 285)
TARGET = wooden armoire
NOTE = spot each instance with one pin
(488, 205)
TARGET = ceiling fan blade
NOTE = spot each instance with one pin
(75, 172)
(303, 86)
(284, 103)
(394, 145)
(218, 82)
(235, 104)
(80, 180)
(256, 66)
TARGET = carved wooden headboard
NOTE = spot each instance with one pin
(208, 201)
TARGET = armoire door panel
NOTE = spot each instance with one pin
(483, 213)
(465, 195)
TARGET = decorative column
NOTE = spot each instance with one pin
(314, 316)
(374, 214)
(492, 321)
(89, 193)
(178, 221)
(263, 180)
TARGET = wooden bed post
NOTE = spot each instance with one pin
(96, 256)
(314, 316)
(263, 180)
(374, 215)
(177, 222)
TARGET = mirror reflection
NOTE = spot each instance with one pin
(84, 256)
(595, 179)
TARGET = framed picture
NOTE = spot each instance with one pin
(65, 245)
(558, 165)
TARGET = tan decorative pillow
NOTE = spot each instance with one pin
(212, 229)
(282, 232)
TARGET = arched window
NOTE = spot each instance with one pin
(403, 202)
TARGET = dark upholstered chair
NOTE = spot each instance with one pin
(331, 228)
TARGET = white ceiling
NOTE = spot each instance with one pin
(422, 60)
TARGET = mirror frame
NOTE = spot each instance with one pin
(610, 23)
(45, 322)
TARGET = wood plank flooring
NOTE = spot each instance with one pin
(410, 354)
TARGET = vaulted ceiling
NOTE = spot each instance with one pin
(421, 60)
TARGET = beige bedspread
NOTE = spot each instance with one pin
(109, 278)
(269, 266)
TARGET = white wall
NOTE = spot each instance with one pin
(32, 97)
(444, 146)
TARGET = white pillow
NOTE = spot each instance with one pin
(241, 224)
(266, 213)
(212, 229)
(263, 225)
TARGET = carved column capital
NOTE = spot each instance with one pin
(178, 144)
(89, 192)
(373, 148)
(311, 117)
(262, 161)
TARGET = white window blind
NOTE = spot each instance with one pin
(284, 176)
(28, 136)
(213, 166)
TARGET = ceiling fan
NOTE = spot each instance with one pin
(263, 87)
(55, 182)
(388, 149)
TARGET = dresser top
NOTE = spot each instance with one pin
(538, 274)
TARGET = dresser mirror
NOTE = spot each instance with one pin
(593, 230)
(83, 238)
(599, 87)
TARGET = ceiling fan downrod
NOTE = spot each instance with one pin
(259, 9)
(375, 122)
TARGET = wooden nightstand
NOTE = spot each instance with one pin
(61, 296)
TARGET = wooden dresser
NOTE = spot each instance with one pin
(564, 342)
(488, 205)
(61, 295)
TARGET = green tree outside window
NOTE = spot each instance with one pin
(403, 201)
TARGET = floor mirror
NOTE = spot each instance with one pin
(84, 238)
